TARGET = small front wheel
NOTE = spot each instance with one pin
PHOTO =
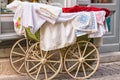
(47, 64)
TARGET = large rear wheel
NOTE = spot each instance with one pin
(83, 59)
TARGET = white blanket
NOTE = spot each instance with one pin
(57, 36)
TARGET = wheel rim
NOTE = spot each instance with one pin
(17, 55)
(84, 60)
(45, 63)
(63, 51)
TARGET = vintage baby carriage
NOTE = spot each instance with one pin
(79, 60)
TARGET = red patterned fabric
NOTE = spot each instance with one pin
(77, 8)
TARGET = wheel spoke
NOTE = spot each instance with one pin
(46, 54)
(85, 49)
(22, 65)
(77, 70)
(84, 71)
(45, 72)
(51, 61)
(38, 72)
(91, 59)
(37, 55)
(34, 67)
(71, 60)
(90, 53)
(18, 53)
(33, 60)
(89, 66)
(22, 48)
(74, 54)
(53, 64)
(32, 64)
(18, 60)
(72, 66)
(50, 55)
(41, 53)
(79, 50)
(51, 68)
(27, 45)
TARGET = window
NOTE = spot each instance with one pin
(3, 4)
(101, 1)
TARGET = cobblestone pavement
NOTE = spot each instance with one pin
(106, 71)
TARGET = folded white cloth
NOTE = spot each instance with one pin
(82, 21)
(25, 12)
(91, 23)
(17, 20)
(32, 15)
(102, 27)
(48, 12)
(66, 17)
(13, 5)
(85, 23)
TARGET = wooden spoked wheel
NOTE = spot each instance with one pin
(83, 59)
(47, 63)
(17, 55)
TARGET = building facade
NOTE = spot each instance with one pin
(111, 40)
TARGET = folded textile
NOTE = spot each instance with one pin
(32, 15)
(91, 23)
(102, 27)
(13, 5)
(85, 23)
(48, 12)
(66, 16)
